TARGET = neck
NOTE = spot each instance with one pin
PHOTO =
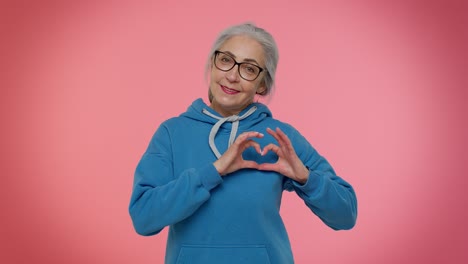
(224, 112)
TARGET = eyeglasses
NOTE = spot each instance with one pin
(226, 62)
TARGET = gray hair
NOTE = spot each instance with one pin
(260, 35)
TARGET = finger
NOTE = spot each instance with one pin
(273, 133)
(282, 135)
(279, 139)
(247, 135)
(284, 138)
(251, 143)
(250, 164)
(271, 147)
(268, 167)
(251, 134)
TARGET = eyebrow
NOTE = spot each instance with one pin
(245, 60)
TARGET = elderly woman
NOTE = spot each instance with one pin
(215, 174)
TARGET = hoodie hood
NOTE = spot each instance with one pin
(247, 118)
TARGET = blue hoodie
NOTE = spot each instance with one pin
(234, 218)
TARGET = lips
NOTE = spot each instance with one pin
(228, 90)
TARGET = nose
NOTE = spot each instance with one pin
(233, 74)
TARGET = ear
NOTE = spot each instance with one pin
(261, 89)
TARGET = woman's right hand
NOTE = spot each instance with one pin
(232, 160)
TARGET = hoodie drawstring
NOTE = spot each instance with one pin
(234, 119)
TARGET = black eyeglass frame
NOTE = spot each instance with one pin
(238, 65)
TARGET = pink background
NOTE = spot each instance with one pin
(379, 89)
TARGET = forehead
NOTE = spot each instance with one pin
(244, 47)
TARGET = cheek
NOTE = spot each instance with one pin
(257, 87)
(260, 82)
(215, 75)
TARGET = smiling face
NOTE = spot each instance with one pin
(231, 93)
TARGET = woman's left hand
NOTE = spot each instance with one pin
(288, 163)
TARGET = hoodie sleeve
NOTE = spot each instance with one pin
(327, 195)
(160, 198)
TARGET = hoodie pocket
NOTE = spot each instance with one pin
(229, 254)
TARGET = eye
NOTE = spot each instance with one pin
(249, 69)
(225, 59)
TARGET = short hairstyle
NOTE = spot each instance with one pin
(260, 35)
